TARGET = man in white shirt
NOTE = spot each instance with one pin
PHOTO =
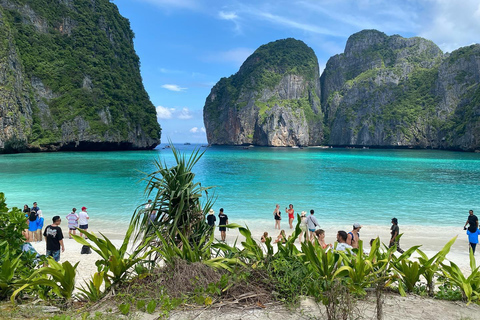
(342, 244)
(83, 219)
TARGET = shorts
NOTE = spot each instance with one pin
(222, 228)
(55, 254)
(83, 226)
(277, 218)
(311, 230)
(73, 228)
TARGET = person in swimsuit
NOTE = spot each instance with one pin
(320, 237)
(290, 213)
(277, 215)
(264, 237)
(282, 237)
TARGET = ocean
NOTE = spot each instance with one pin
(343, 186)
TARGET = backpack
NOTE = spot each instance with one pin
(33, 216)
(86, 250)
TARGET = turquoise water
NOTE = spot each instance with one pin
(419, 187)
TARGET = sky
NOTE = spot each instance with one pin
(186, 46)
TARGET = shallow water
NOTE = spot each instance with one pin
(419, 187)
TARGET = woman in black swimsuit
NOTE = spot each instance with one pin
(277, 216)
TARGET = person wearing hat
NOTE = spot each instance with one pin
(395, 231)
(83, 220)
(211, 218)
(354, 235)
(303, 226)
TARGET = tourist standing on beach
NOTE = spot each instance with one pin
(32, 225)
(277, 215)
(291, 215)
(83, 220)
(342, 244)
(26, 211)
(395, 231)
(354, 235)
(223, 222)
(211, 218)
(472, 222)
(54, 238)
(72, 219)
(148, 205)
(473, 239)
(312, 223)
(40, 222)
(303, 227)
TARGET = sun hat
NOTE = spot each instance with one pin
(84, 208)
(303, 214)
(356, 225)
(211, 211)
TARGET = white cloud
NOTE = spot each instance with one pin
(164, 113)
(194, 130)
(185, 114)
(227, 15)
(173, 87)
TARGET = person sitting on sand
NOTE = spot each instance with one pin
(354, 235)
(282, 237)
(342, 244)
(291, 215)
(320, 237)
(303, 227)
(263, 239)
(277, 215)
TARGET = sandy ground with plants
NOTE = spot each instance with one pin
(432, 240)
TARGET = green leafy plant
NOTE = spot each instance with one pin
(124, 308)
(91, 291)
(60, 277)
(8, 273)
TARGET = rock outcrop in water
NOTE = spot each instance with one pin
(70, 79)
(383, 91)
(273, 100)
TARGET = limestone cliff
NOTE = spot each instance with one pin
(70, 79)
(383, 91)
(273, 100)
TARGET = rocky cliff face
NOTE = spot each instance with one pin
(70, 80)
(383, 91)
(273, 100)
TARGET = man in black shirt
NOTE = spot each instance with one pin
(54, 238)
(211, 218)
(472, 222)
(395, 231)
(223, 221)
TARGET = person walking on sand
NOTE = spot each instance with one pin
(223, 222)
(354, 235)
(472, 222)
(54, 239)
(72, 219)
(291, 215)
(303, 227)
(312, 223)
(473, 238)
(211, 218)
(83, 220)
(277, 215)
(342, 244)
(395, 231)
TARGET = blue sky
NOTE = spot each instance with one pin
(186, 46)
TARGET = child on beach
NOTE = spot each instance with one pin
(473, 238)
(72, 219)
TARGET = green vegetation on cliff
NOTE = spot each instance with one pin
(83, 52)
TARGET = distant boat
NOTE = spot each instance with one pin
(187, 143)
